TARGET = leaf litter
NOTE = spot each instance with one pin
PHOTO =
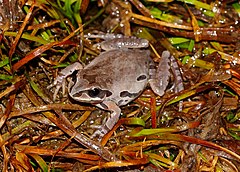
(196, 129)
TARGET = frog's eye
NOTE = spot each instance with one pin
(94, 92)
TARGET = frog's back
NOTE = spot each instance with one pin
(116, 56)
(122, 71)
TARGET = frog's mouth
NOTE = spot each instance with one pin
(94, 95)
(84, 97)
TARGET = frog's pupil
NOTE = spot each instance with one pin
(94, 92)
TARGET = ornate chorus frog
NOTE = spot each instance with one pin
(116, 77)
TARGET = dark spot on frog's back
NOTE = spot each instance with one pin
(123, 102)
(141, 77)
(127, 94)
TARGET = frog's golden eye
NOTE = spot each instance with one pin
(94, 92)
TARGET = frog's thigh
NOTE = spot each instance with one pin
(159, 78)
(115, 114)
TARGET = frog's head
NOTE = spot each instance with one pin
(82, 91)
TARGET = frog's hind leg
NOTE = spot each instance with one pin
(159, 78)
(118, 41)
(105, 36)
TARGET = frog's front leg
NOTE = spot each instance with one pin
(114, 117)
(60, 80)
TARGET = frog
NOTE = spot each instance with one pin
(117, 76)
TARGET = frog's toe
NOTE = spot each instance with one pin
(59, 82)
(99, 133)
(50, 86)
(56, 92)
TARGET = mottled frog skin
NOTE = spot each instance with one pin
(112, 77)
(116, 77)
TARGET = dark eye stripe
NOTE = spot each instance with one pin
(79, 94)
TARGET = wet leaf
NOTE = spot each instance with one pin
(193, 126)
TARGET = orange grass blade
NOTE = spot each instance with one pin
(153, 112)
(20, 81)
(128, 121)
(24, 161)
(36, 52)
(184, 138)
(161, 23)
(15, 42)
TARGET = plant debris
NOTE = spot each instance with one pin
(194, 129)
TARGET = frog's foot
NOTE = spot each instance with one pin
(60, 81)
(99, 133)
(105, 36)
(117, 41)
